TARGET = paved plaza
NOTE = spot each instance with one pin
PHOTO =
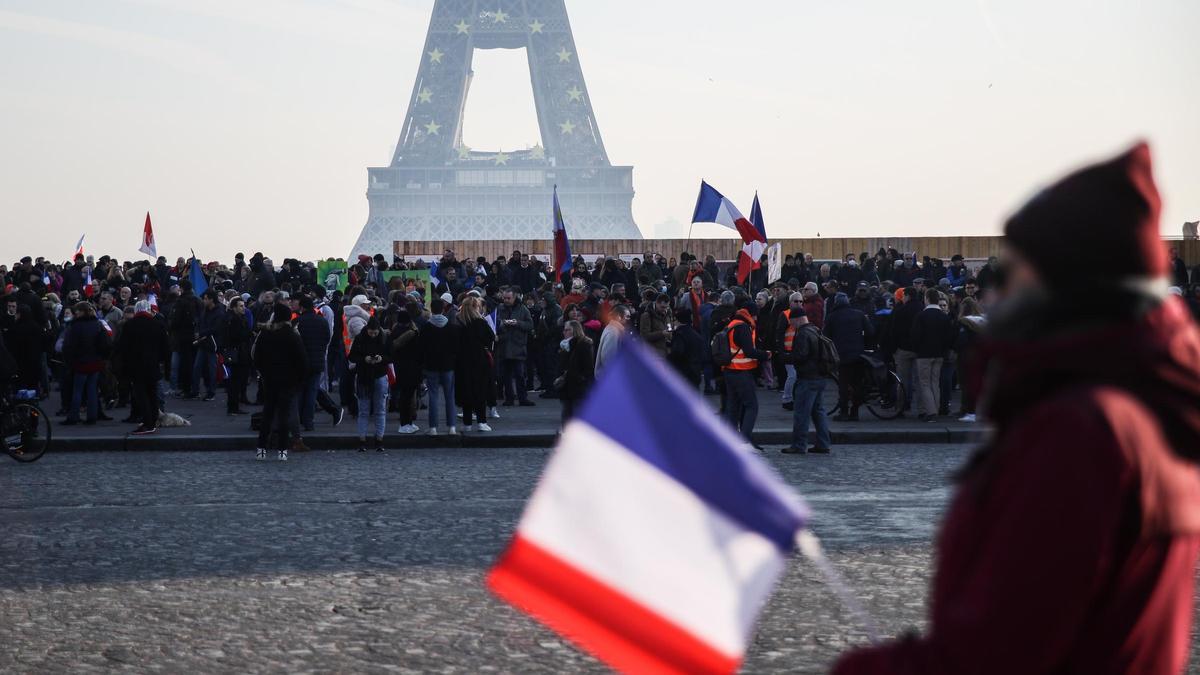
(212, 429)
(340, 562)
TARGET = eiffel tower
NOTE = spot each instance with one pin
(437, 188)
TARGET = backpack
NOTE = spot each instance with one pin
(722, 353)
(826, 355)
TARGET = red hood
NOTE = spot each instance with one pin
(1157, 357)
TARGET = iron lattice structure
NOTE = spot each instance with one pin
(436, 188)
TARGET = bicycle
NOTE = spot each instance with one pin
(24, 428)
(884, 394)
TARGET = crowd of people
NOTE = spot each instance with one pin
(133, 335)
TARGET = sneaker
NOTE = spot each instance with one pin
(283, 455)
(969, 418)
(482, 426)
(433, 431)
(408, 429)
(793, 450)
(362, 446)
(527, 404)
(493, 413)
(341, 415)
(378, 445)
(260, 454)
(143, 430)
(453, 431)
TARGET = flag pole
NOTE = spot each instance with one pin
(810, 547)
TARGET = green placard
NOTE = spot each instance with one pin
(412, 279)
(334, 275)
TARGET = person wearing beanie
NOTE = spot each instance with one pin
(741, 398)
(280, 359)
(370, 356)
(1072, 542)
(849, 328)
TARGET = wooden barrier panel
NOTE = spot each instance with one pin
(727, 249)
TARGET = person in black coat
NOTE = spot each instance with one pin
(933, 333)
(280, 359)
(688, 352)
(145, 354)
(474, 371)
(236, 351)
(849, 329)
(406, 358)
(315, 334)
(578, 362)
(439, 341)
(370, 356)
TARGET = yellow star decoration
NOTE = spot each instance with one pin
(539, 152)
(567, 127)
(564, 56)
(536, 26)
(501, 158)
(462, 27)
(432, 128)
(436, 55)
(464, 152)
(425, 95)
(500, 16)
(575, 93)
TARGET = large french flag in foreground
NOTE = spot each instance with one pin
(655, 535)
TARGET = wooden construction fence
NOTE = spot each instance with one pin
(727, 249)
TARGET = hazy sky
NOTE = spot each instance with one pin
(249, 124)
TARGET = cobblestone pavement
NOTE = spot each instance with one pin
(212, 562)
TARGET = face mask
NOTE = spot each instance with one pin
(565, 345)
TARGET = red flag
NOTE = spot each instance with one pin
(148, 246)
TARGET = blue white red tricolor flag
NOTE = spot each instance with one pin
(714, 207)
(752, 251)
(79, 246)
(655, 534)
(562, 245)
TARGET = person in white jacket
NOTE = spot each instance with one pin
(612, 336)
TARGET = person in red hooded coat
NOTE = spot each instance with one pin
(1072, 541)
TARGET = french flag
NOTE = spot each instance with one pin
(562, 245)
(713, 207)
(752, 251)
(655, 535)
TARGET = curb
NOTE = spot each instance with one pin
(232, 442)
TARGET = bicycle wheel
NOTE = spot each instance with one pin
(26, 432)
(887, 405)
(834, 410)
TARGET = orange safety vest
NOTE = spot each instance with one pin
(740, 360)
(789, 335)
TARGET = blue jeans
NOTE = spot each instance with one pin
(806, 399)
(741, 401)
(372, 398)
(205, 365)
(440, 384)
(84, 383)
(313, 393)
(789, 385)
